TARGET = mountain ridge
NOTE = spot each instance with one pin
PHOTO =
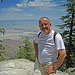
(11, 47)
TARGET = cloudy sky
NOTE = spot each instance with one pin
(31, 9)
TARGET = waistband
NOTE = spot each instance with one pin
(49, 63)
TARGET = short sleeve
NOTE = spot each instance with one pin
(59, 42)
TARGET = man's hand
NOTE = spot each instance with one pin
(49, 70)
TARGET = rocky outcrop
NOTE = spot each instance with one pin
(24, 67)
(17, 67)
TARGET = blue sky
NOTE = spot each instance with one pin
(32, 9)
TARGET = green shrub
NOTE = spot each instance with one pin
(26, 51)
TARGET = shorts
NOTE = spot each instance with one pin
(42, 68)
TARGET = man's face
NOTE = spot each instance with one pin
(44, 25)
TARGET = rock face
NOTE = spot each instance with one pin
(23, 67)
(17, 67)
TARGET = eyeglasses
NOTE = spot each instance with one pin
(43, 24)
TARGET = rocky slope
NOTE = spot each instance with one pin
(11, 47)
(24, 67)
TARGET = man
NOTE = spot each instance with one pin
(46, 50)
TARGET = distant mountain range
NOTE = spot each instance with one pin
(11, 47)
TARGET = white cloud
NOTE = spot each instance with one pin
(27, 14)
(23, 3)
(44, 3)
(37, 3)
(19, 5)
(15, 16)
(14, 9)
(25, 0)
(11, 9)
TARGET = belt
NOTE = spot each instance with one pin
(49, 63)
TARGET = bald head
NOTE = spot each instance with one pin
(44, 18)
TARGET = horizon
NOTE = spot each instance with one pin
(21, 29)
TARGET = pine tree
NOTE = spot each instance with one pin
(1, 47)
(69, 32)
(26, 51)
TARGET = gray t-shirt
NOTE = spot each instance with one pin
(47, 49)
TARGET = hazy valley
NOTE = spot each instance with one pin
(11, 47)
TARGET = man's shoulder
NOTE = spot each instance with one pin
(58, 36)
(56, 33)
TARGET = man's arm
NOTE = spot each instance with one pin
(62, 55)
(36, 49)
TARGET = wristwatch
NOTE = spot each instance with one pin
(54, 68)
